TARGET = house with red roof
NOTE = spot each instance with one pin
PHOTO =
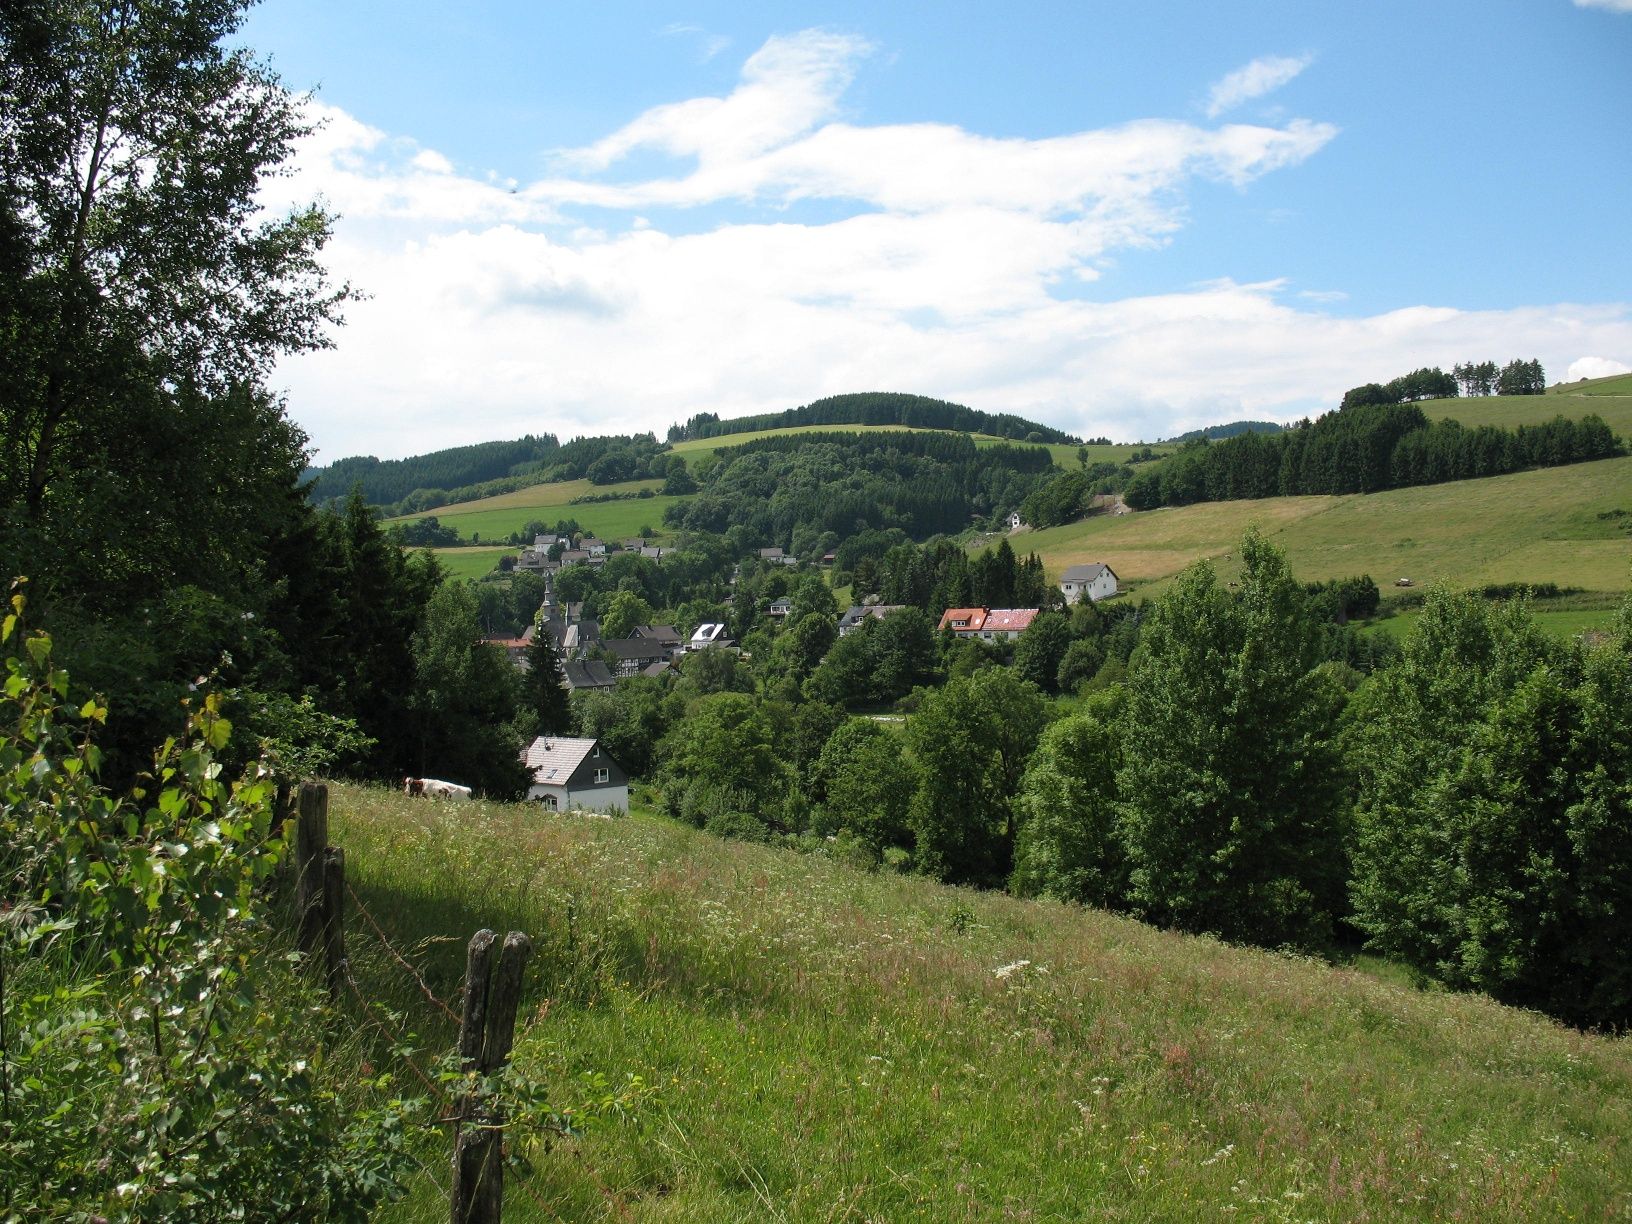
(988, 624)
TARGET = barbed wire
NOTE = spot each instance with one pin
(419, 981)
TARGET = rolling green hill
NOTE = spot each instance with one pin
(1511, 411)
(1540, 526)
(822, 1043)
(496, 517)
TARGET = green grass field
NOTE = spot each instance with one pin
(1540, 526)
(826, 1044)
(1511, 411)
(471, 562)
(496, 517)
(1614, 384)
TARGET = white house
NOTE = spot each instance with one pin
(709, 633)
(577, 774)
(1014, 520)
(1096, 582)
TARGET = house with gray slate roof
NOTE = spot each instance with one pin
(575, 774)
(1094, 582)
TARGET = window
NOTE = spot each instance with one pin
(596, 751)
(602, 775)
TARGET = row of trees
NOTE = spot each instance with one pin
(1514, 378)
(1468, 378)
(1363, 450)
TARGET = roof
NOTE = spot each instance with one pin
(975, 617)
(853, 616)
(661, 667)
(708, 631)
(770, 554)
(1009, 620)
(588, 675)
(635, 648)
(1086, 573)
(553, 759)
(658, 633)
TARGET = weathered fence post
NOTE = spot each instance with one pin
(486, 1035)
(334, 927)
(311, 840)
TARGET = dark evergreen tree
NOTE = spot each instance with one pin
(544, 692)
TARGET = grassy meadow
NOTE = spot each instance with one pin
(1538, 526)
(496, 517)
(1511, 411)
(827, 1044)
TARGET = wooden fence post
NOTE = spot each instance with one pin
(311, 840)
(486, 1036)
(334, 928)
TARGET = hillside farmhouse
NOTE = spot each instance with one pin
(988, 624)
(579, 774)
(1093, 582)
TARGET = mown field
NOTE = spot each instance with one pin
(496, 517)
(1540, 526)
(826, 1044)
(1511, 411)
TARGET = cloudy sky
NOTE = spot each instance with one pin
(1119, 218)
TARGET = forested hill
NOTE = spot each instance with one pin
(390, 480)
(876, 408)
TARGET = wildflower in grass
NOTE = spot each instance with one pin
(1002, 972)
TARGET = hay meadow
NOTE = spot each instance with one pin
(818, 1042)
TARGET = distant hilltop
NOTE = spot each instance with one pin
(877, 408)
(488, 468)
(1228, 431)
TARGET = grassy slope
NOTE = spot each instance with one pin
(1537, 526)
(494, 517)
(1511, 411)
(828, 1044)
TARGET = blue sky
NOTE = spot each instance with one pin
(1123, 219)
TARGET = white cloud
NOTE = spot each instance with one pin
(1594, 367)
(1614, 6)
(1262, 76)
(957, 266)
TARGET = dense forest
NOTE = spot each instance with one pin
(384, 481)
(876, 408)
(1363, 449)
(807, 492)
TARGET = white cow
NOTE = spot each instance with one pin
(434, 788)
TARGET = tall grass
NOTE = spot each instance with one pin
(829, 1044)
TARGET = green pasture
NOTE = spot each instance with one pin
(496, 517)
(471, 562)
(1511, 411)
(818, 1042)
(1614, 384)
(1540, 526)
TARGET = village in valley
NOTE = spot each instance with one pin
(810, 614)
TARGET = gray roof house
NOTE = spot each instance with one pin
(591, 674)
(636, 653)
(1094, 582)
(575, 774)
